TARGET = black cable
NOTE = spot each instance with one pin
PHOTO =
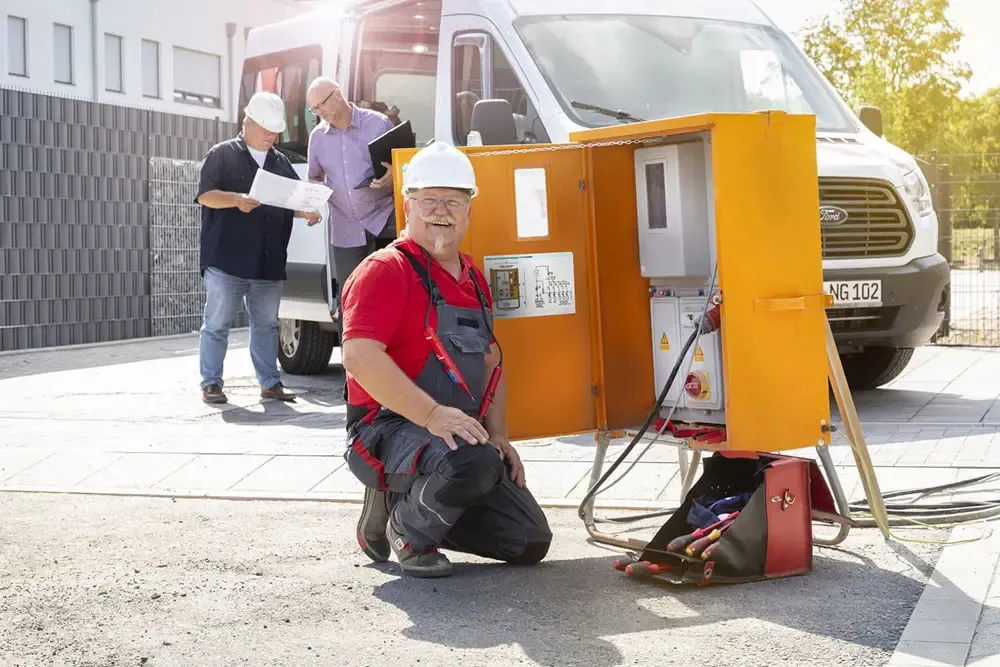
(649, 419)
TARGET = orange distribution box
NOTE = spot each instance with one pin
(555, 230)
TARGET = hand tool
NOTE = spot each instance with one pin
(449, 366)
(646, 569)
(698, 546)
(491, 390)
(679, 543)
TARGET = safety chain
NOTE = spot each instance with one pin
(569, 147)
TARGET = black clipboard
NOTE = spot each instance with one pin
(380, 149)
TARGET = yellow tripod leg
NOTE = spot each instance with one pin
(845, 403)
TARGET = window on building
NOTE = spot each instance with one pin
(288, 75)
(17, 46)
(150, 68)
(197, 78)
(63, 53)
(114, 75)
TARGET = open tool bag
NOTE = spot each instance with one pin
(747, 518)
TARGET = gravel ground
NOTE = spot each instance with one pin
(89, 580)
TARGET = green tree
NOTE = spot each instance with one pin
(897, 55)
(971, 148)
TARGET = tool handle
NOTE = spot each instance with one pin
(491, 390)
(709, 550)
(698, 545)
(678, 543)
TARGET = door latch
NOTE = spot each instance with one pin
(786, 500)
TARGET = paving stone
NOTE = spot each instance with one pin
(63, 469)
(929, 654)
(556, 479)
(212, 472)
(944, 631)
(289, 474)
(13, 461)
(340, 481)
(136, 471)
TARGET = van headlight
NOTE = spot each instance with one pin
(918, 191)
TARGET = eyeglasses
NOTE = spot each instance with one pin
(326, 99)
(430, 204)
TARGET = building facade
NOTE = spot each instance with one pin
(176, 56)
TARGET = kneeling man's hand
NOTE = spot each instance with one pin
(446, 422)
(510, 454)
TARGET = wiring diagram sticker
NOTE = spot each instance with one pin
(531, 285)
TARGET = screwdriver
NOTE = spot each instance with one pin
(699, 545)
(646, 569)
(679, 543)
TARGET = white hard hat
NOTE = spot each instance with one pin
(267, 110)
(439, 165)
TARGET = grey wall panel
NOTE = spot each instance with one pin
(98, 234)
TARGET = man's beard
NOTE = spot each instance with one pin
(439, 232)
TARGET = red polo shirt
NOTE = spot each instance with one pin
(384, 299)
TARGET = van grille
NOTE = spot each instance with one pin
(877, 223)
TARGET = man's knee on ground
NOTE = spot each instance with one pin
(470, 473)
(533, 553)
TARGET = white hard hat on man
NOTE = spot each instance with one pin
(439, 165)
(267, 110)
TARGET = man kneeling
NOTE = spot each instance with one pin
(418, 349)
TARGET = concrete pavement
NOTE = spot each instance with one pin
(128, 419)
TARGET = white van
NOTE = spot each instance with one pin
(564, 65)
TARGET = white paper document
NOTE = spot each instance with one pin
(275, 190)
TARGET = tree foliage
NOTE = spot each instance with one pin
(898, 55)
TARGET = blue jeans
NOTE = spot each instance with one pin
(223, 296)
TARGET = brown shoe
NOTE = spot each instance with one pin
(213, 394)
(278, 392)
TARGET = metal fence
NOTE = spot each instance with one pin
(178, 295)
(96, 244)
(966, 189)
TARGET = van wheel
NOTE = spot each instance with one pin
(304, 348)
(875, 366)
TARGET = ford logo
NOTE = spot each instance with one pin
(832, 215)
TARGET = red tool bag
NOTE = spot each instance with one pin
(770, 536)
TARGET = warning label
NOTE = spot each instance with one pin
(699, 354)
(664, 343)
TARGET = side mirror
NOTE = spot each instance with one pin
(494, 121)
(871, 117)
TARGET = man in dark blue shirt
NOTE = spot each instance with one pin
(244, 248)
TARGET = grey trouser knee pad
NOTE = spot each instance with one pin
(467, 474)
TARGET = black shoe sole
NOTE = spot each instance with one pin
(426, 574)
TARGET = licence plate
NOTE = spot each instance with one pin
(854, 292)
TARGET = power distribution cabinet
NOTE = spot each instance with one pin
(672, 199)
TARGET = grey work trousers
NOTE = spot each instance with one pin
(345, 260)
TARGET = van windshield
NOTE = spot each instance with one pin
(662, 67)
